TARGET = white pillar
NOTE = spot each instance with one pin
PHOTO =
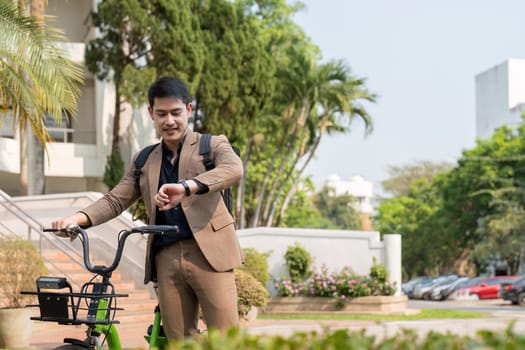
(392, 244)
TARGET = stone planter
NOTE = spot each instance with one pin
(360, 305)
(15, 328)
(252, 314)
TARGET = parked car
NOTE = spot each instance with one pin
(461, 291)
(442, 291)
(489, 287)
(408, 286)
(422, 290)
(513, 292)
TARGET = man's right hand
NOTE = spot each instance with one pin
(79, 219)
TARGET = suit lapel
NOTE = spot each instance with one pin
(188, 149)
(153, 175)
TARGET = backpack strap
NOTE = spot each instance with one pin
(204, 151)
(140, 161)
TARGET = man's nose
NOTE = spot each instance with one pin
(170, 119)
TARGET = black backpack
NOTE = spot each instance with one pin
(204, 150)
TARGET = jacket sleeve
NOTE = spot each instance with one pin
(228, 166)
(113, 203)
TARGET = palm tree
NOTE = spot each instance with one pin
(36, 80)
(339, 97)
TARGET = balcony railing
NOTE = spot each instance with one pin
(64, 135)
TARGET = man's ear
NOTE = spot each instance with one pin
(190, 107)
(150, 111)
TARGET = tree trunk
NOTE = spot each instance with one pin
(35, 167)
(311, 153)
(278, 194)
(260, 195)
(116, 121)
(22, 135)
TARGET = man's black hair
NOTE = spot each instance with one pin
(169, 87)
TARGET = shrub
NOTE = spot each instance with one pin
(344, 339)
(285, 287)
(256, 264)
(250, 292)
(378, 272)
(298, 262)
(20, 266)
(114, 169)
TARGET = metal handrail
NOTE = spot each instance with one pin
(33, 225)
(125, 218)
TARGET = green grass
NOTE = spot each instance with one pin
(425, 314)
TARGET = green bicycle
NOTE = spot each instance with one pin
(96, 304)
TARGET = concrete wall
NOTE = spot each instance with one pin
(334, 248)
(500, 97)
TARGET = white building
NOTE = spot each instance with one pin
(358, 188)
(500, 96)
(76, 161)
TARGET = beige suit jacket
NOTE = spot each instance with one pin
(212, 225)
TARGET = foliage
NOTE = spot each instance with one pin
(255, 77)
(285, 287)
(378, 271)
(138, 210)
(344, 339)
(298, 261)
(303, 213)
(339, 209)
(256, 264)
(118, 52)
(250, 292)
(37, 80)
(472, 215)
(114, 169)
(416, 217)
(20, 266)
(401, 178)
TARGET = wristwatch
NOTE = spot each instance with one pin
(187, 190)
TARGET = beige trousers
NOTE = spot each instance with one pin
(185, 280)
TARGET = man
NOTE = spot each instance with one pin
(196, 266)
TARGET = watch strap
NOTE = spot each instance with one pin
(187, 190)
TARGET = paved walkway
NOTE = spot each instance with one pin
(49, 335)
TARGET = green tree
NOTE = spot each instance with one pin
(401, 178)
(117, 54)
(302, 211)
(256, 77)
(412, 216)
(338, 209)
(339, 103)
(491, 178)
(314, 99)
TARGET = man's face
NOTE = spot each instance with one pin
(170, 117)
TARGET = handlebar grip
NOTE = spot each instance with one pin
(157, 229)
(70, 230)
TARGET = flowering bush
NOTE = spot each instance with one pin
(285, 287)
(342, 285)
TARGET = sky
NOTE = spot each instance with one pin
(421, 58)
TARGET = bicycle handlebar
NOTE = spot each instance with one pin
(72, 231)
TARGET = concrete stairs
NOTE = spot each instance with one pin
(138, 306)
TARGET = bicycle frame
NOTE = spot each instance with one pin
(67, 307)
